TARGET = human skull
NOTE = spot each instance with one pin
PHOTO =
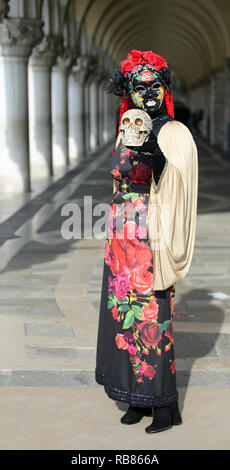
(135, 127)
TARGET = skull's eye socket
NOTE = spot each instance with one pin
(126, 121)
(139, 122)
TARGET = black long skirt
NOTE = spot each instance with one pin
(135, 344)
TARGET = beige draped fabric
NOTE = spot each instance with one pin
(172, 211)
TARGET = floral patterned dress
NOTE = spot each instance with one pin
(135, 344)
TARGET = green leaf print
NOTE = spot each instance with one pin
(125, 301)
(112, 301)
(163, 326)
(137, 311)
(127, 196)
(124, 308)
(129, 319)
(134, 197)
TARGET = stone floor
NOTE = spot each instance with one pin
(49, 300)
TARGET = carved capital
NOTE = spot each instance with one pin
(45, 53)
(80, 69)
(19, 35)
(4, 9)
(65, 60)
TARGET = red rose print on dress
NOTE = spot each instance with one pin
(141, 280)
(150, 333)
(149, 371)
(121, 342)
(141, 174)
(116, 172)
(150, 312)
(115, 312)
(127, 255)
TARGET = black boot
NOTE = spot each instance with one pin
(135, 413)
(164, 417)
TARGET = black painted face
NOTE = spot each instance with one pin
(147, 95)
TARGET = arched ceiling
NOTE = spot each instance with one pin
(192, 35)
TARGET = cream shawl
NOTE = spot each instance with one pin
(172, 210)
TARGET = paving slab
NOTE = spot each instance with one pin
(85, 418)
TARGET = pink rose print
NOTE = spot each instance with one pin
(110, 285)
(141, 232)
(121, 284)
(132, 349)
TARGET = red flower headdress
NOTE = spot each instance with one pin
(136, 57)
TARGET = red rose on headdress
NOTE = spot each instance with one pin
(155, 59)
(136, 57)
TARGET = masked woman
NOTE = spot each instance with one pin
(149, 246)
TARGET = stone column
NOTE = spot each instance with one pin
(206, 108)
(96, 109)
(93, 113)
(213, 106)
(111, 116)
(76, 116)
(106, 116)
(219, 108)
(17, 37)
(102, 124)
(86, 98)
(226, 92)
(216, 107)
(40, 63)
(59, 101)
